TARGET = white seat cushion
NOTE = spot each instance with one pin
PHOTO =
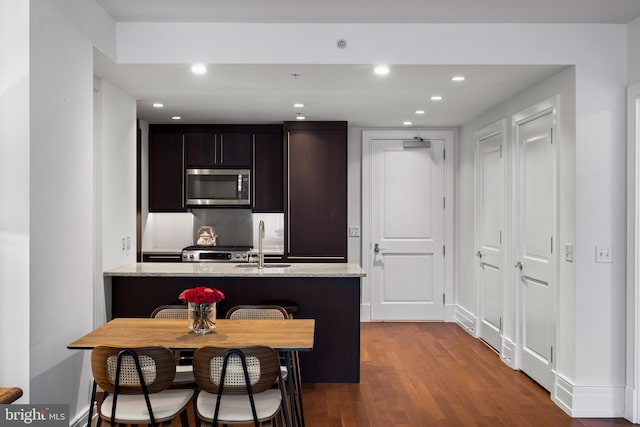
(237, 408)
(132, 409)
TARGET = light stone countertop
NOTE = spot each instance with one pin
(166, 250)
(203, 269)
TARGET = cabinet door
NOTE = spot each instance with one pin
(234, 149)
(268, 173)
(201, 149)
(166, 172)
(317, 192)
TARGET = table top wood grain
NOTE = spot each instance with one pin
(9, 394)
(286, 335)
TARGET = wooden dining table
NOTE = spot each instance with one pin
(282, 335)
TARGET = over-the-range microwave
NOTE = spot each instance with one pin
(218, 187)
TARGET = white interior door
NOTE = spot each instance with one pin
(406, 195)
(489, 220)
(535, 200)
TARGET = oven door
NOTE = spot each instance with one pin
(218, 187)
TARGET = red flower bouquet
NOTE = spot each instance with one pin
(201, 295)
(202, 308)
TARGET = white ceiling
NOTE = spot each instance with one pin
(586, 11)
(265, 93)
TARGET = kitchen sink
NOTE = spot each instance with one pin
(266, 265)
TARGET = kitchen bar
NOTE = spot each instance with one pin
(329, 293)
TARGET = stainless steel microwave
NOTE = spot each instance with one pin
(218, 187)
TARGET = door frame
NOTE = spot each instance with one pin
(632, 396)
(497, 128)
(449, 136)
(548, 106)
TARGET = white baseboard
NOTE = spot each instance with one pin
(597, 401)
(508, 353)
(465, 319)
(630, 408)
(81, 420)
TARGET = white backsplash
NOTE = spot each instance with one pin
(176, 230)
(168, 230)
(273, 232)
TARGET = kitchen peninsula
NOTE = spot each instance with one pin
(326, 292)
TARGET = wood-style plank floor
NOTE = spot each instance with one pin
(433, 374)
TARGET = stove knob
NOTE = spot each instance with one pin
(191, 256)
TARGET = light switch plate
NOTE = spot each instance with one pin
(568, 252)
(604, 253)
(354, 231)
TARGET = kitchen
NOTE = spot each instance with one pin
(226, 245)
(91, 214)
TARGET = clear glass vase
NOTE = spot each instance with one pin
(202, 317)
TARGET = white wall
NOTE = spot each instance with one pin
(633, 51)
(115, 191)
(599, 54)
(562, 84)
(118, 190)
(61, 203)
(46, 194)
(14, 194)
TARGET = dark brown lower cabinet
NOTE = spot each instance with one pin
(334, 303)
(316, 203)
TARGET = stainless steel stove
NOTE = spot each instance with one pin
(216, 253)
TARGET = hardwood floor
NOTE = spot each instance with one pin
(433, 374)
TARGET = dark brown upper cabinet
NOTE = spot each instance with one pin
(175, 148)
(217, 147)
(316, 202)
(268, 171)
(166, 177)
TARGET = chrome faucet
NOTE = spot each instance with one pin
(260, 238)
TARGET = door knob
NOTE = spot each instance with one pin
(519, 265)
(479, 254)
(377, 248)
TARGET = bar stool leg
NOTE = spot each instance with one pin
(298, 381)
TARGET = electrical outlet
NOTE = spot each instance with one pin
(124, 243)
(354, 231)
(604, 253)
(128, 242)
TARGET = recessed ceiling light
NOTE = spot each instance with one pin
(158, 105)
(176, 118)
(300, 117)
(419, 111)
(298, 105)
(407, 123)
(458, 78)
(199, 69)
(381, 70)
(436, 98)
